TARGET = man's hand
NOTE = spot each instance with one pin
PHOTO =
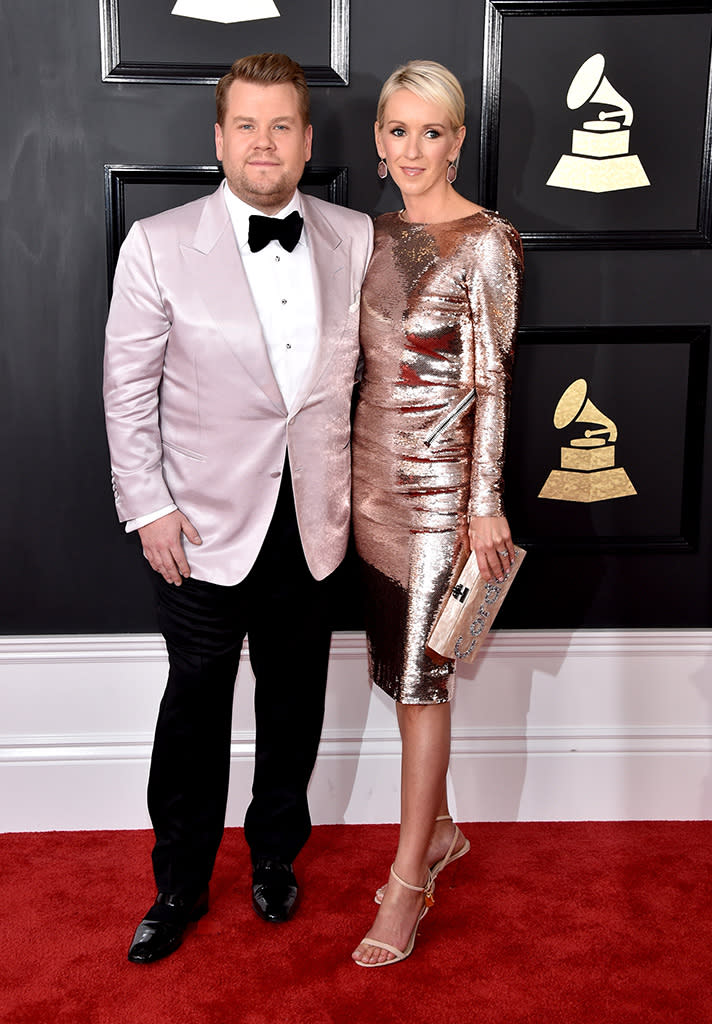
(163, 548)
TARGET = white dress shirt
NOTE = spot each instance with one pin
(282, 286)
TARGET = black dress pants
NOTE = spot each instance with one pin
(281, 609)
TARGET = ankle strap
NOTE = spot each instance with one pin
(444, 817)
(407, 885)
(427, 888)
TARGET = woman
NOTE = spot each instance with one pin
(438, 318)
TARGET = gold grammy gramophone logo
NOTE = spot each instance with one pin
(588, 464)
(600, 160)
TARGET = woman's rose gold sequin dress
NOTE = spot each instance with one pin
(439, 312)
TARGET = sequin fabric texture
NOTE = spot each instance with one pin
(439, 312)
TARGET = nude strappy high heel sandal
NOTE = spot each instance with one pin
(449, 857)
(401, 954)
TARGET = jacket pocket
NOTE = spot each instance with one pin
(184, 451)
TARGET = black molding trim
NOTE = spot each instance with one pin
(697, 338)
(114, 69)
(117, 176)
(495, 12)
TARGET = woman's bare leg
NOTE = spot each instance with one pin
(425, 734)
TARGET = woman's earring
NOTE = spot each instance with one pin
(451, 173)
(382, 169)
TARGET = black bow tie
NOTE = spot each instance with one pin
(285, 231)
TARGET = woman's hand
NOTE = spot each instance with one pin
(491, 541)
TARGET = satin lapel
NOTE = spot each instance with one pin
(219, 278)
(331, 287)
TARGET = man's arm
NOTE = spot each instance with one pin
(136, 337)
(137, 332)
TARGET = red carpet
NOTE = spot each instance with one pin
(577, 923)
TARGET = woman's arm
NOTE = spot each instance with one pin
(495, 294)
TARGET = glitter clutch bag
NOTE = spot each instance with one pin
(469, 610)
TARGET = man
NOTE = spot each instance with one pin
(229, 366)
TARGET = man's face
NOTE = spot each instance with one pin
(263, 144)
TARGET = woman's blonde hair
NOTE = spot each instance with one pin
(429, 81)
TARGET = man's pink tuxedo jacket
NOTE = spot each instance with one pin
(193, 411)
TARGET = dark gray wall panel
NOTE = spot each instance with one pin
(67, 566)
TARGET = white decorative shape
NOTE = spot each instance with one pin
(590, 85)
(226, 11)
(547, 725)
(599, 160)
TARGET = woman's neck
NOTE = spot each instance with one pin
(437, 209)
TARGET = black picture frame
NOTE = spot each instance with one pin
(652, 380)
(330, 182)
(684, 236)
(117, 66)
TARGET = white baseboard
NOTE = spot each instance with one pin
(549, 725)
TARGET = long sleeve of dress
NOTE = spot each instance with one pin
(495, 292)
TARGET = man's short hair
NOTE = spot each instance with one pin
(264, 69)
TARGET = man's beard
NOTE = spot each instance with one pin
(269, 194)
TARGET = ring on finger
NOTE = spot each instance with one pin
(502, 553)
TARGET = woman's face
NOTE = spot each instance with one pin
(418, 142)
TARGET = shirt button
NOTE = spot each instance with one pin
(276, 259)
(288, 345)
(284, 302)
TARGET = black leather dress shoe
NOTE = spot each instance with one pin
(161, 931)
(274, 889)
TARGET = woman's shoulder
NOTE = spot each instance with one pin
(493, 220)
(478, 231)
(496, 232)
(386, 221)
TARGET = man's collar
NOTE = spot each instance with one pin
(240, 213)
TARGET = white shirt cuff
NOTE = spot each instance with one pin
(136, 524)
